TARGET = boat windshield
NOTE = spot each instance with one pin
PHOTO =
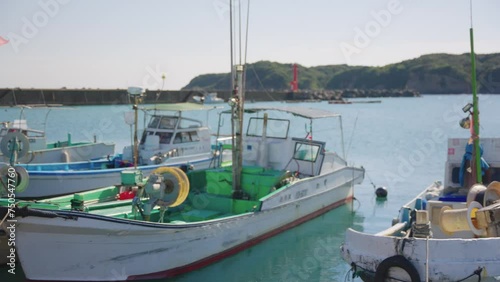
(276, 128)
(306, 151)
(162, 122)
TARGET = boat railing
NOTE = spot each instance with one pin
(225, 142)
(395, 230)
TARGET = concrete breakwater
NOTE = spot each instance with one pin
(81, 97)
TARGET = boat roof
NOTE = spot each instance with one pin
(179, 107)
(310, 113)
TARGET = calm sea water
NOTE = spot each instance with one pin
(401, 142)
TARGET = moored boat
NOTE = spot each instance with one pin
(39, 151)
(451, 230)
(340, 101)
(177, 221)
(448, 232)
(294, 181)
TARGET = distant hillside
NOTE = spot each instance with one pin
(428, 74)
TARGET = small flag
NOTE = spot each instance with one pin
(3, 41)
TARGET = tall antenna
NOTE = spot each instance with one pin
(231, 40)
(475, 112)
(239, 18)
(158, 94)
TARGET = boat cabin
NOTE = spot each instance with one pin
(170, 135)
(457, 172)
(267, 143)
(458, 192)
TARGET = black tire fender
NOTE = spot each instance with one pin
(396, 261)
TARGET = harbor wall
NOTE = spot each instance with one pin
(81, 97)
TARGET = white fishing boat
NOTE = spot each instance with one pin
(40, 151)
(169, 139)
(448, 232)
(178, 222)
(451, 230)
(284, 181)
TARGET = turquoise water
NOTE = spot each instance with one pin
(400, 142)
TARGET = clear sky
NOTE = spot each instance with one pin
(120, 43)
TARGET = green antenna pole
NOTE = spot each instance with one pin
(475, 113)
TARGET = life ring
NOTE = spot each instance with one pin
(396, 262)
(6, 144)
(21, 181)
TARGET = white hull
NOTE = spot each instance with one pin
(448, 259)
(55, 183)
(78, 153)
(98, 248)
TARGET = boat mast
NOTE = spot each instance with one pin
(475, 112)
(237, 109)
(137, 93)
(231, 41)
(237, 105)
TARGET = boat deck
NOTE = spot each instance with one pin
(214, 200)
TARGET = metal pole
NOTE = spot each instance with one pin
(237, 121)
(136, 147)
(475, 113)
(231, 40)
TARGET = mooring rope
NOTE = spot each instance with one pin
(476, 272)
(5, 217)
(427, 259)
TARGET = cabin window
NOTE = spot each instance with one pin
(144, 135)
(165, 137)
(492, 174)
(154, 122)
(455, 172)
(276, 128)
(178, 138)
(185, 137)
(495, 174)
(143, 138)
(306, 152)
(187, 123)
(194, 136)
(168, 122)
